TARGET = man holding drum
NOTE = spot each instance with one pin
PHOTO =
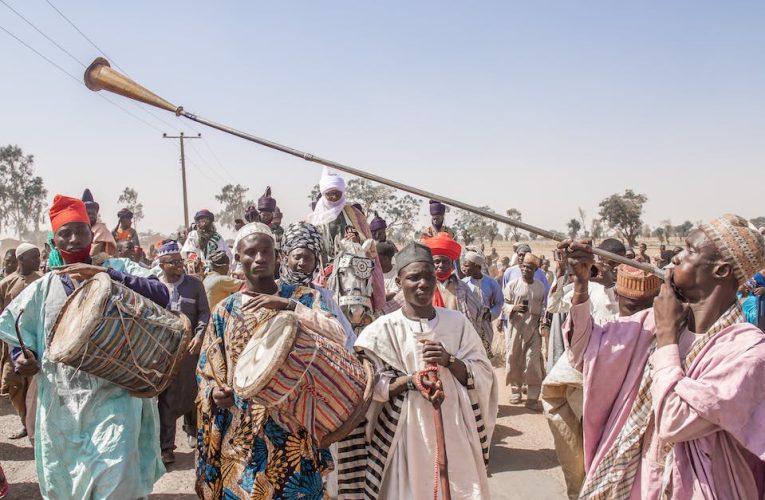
(93, 440)
(246, 451)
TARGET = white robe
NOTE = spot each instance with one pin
(391, 343)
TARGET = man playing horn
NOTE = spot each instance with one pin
(92, 439)
(673, 395)
(245, 450)
(392, 456)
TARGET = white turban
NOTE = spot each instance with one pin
(249, 230)
(24, 248)
(474, 257)
(331, 180)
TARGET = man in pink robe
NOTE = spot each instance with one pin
(694, 368)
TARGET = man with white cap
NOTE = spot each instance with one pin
(485, 288)
(12, 385)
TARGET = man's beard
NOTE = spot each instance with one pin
(207, 231)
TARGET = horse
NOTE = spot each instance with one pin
(351, 282)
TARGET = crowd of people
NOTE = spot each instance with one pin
(652, 388)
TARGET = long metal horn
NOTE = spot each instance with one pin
(100, 75)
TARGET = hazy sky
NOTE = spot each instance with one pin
(543, 106)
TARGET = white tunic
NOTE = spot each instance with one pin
(393, 341)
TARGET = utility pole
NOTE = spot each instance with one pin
(183, 173)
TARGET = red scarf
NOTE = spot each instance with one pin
(75, 257)
(438, 299)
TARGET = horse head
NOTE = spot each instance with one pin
(352, 284)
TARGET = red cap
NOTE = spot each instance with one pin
(66, 210)
(443, 244)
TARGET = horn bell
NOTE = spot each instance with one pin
(101, 76)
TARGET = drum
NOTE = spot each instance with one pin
(110, 331)
(304, 376)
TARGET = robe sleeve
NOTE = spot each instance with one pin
(320, 323)
(151, 288)
(190, 245)
(222, 245)
(203, 310)
(509, 301)
(577, 332)
(32, 324)
(496, 300)
(725, 395)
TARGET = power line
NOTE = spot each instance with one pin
(83, 34)
(43, 34)
(79, 82)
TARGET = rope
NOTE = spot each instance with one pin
(435, 395)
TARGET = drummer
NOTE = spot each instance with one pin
(188, 297)
(244, 450)
(92, 439)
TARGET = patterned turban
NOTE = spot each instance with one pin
(169, 248)
(300, 235)
(739, 243)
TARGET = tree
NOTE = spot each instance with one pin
(371, 195)
(659, 234)
(22, 194)
(514, 214)
(596, 229)
(573, 228)
(315, 192)
(400, 216)
(472, 226)
(758, 222)
(669, 229)
(129, 199)
(645, 232)
(684, 229)
(623, 213)
(582, 217)
(234, 201)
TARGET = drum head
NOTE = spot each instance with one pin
(80, 315)
(265, 352)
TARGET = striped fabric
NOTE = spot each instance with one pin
(361, 465)
(480, 425)
(614, 476)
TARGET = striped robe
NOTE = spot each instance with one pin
(391, 454)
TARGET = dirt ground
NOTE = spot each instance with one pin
(523, 462)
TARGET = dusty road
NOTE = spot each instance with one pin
(523, 463)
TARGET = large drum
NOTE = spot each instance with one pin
(307, 378)
(110, 331)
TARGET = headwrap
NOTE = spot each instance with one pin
(437, 208)
(377, 223)
(24, 248)
(219, 258)
(523, 248)
(413, 252)
(204, 213)
(326, 211)
(739, 244)
(251, 214)
(168, 248)
(443, 244)
(633, 283)
(265, 202)
(87, 198)
(532, 259)
(125, 214)
(475, 257)
(278, 214)
(249, 230)
(300, 235)
(331, 180)
(65, 210)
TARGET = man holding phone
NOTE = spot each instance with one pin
(524, 300)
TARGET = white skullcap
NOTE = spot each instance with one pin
(331, 180)
(249, 230)
(474, 257)
(24, 248)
